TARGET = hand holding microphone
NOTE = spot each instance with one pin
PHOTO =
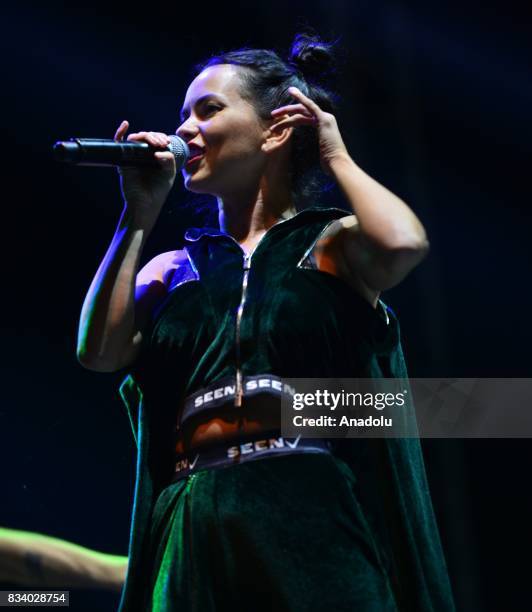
(146, 187)
(134, 152)
(146, 161)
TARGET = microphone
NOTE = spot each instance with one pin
(101, 152)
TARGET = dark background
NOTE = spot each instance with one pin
(436, 102)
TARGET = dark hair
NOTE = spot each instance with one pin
(265, 80)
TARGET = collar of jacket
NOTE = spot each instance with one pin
(193, 234)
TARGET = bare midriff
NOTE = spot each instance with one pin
(229, 426)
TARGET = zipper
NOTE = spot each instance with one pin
(239, 388)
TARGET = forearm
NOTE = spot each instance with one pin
(40, 561)
(107, 322)
(385, 220)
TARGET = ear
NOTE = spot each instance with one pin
(276, 139)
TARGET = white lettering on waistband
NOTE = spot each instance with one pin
(250, 385)
(246, 449)
(219, 393)
(185, 464)
(261, 445)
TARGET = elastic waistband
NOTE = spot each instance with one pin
(225, 456)
(222, 392)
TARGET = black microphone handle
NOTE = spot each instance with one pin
(105, 152)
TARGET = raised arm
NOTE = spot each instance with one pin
(384, 240)
(114, 311)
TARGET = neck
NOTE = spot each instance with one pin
(248, 214)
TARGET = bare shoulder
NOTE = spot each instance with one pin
(161, 268)
(342, 225)
(153, 284)
(338, 230)
(339, 252)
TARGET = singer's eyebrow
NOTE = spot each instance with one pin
(185, 112)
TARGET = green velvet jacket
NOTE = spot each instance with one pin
(296, 322)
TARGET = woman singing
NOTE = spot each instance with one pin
(228, 514)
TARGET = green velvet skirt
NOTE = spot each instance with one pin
(284, 533)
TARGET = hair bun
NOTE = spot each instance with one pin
(312, 56)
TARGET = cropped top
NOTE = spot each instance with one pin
(232, 316)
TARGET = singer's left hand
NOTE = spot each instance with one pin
(307, 112)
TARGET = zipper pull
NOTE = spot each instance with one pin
(247, 258)
(239, 391)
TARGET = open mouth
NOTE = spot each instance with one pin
(194, 158)
(196, 153)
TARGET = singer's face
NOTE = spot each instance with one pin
(227, 131)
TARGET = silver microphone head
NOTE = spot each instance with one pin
(180, 150)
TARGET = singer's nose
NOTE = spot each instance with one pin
(187, 130)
